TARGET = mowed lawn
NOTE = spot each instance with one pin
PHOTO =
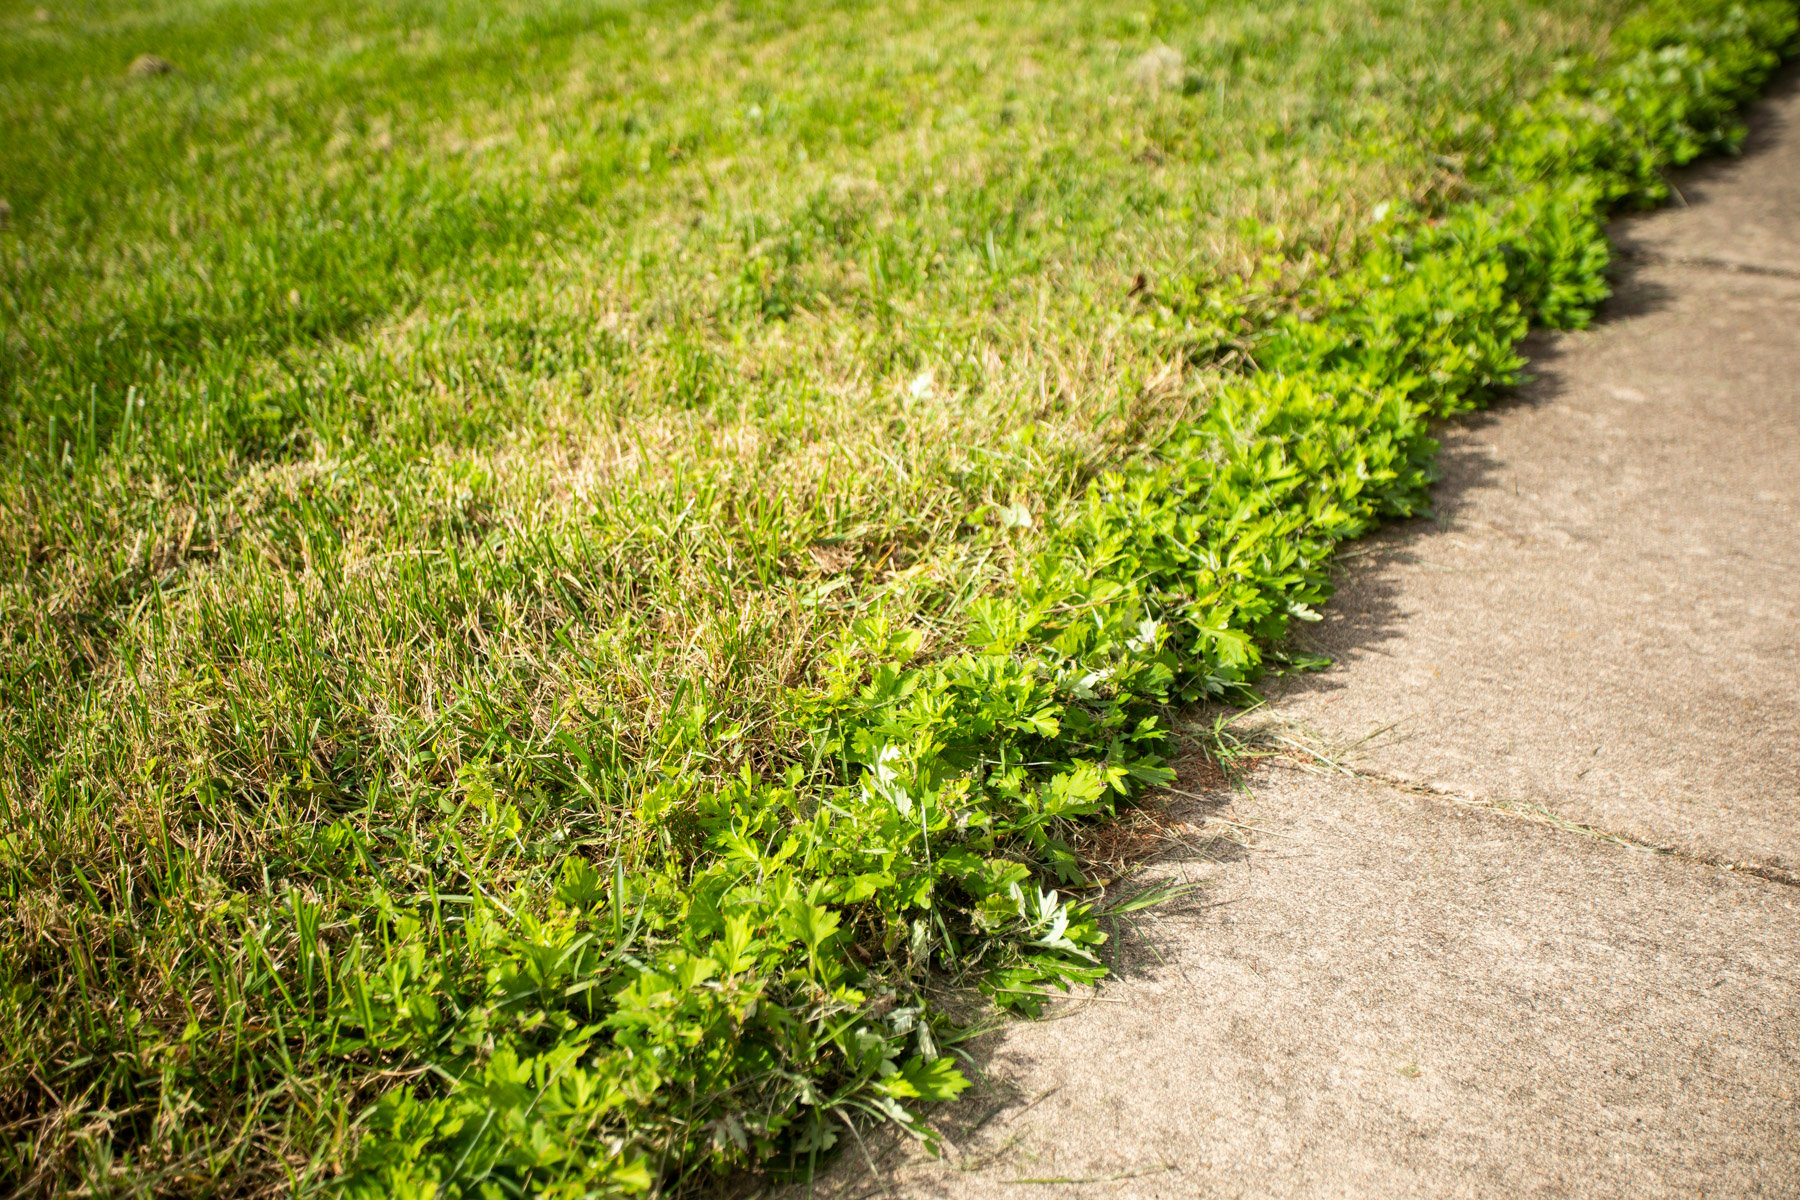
(438, 442)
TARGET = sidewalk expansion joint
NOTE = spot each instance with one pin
(1299, 757)
(1538, 814)
(1707, 262)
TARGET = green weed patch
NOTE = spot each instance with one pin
(438, 764)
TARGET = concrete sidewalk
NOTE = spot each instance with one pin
(1529, 926)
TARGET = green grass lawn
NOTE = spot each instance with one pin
(460, 463)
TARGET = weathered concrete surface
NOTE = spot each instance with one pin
(1395, 996)
(1605, 617)
(1393, 993)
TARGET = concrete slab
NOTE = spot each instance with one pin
(1395, 996)
(1604, 618)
